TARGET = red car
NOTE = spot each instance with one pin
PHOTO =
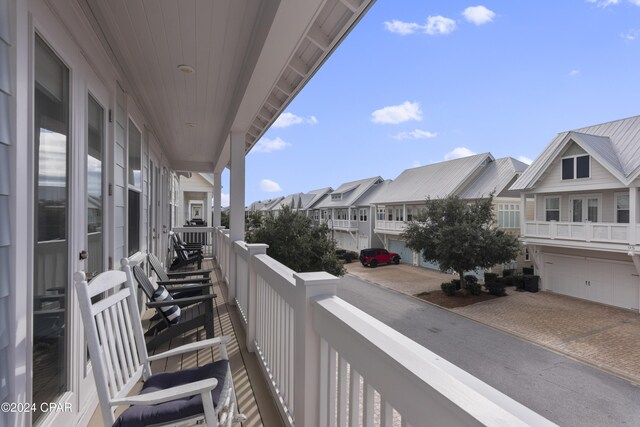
(373, 257)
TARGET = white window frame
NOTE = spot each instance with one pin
(506, 209)
(559, 207)
(575, 167)
(615, 206)
(363, 215)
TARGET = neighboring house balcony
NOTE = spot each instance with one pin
(584, 232)
(341, 224)
(389, 227)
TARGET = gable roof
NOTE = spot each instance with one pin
(436, 180)
(350, 191)
(308, 200)
(495, 178)
(615, 145)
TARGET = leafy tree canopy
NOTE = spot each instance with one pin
(460, 236)
(297, 243)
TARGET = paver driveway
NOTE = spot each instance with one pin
(603, 336)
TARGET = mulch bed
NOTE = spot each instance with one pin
(457, 300)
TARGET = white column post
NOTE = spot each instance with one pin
(252, 294)
(306, 353)
(523, 213)
(207, 209)
(236, 205)
(217, 198)
(633, 215)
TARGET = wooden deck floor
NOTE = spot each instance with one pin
(254, 399)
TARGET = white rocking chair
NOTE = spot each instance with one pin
(119, 358)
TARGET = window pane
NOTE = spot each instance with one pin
(623, 216)
(582, 167)
(592, 210)
(567, 168)
(95, 132)
(576, 205)
(134, 222)
(552, 216)
(135, 139)
(553, 203)
(622, 201)
(50, 281)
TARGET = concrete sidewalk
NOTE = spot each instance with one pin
(603, 336)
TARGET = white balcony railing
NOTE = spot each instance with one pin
(390, 225)
(581, 231)
(345, 224)
(328, 363)
(202, 235)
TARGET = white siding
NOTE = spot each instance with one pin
(552, 179)
(5, 220)
(120, 177)
(607, 204)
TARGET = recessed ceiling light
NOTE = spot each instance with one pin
(188, 69)
(191, 125)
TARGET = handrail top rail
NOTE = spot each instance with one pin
(422, 371)
(194, 229)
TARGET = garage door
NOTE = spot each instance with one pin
(607, 282)
(399, 247)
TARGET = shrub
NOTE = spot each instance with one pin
(514, 280)
(456, 283)
(496, 289)
(470, 278)
(351, 255)
(474, 288)
(530, 283)
(448, 288)
(508, 272)
(490, 278)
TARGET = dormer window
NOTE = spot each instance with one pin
(576, 167)
(337, 196)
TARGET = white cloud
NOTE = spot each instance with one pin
(631, 35)
(458, 152)
(439, 25)
(267, 145)
(478, 15)
(415, 134)
(604, 3)
(224, 199)
(402, 28)
(525, 159)
(289, 119)
(395, 114)
(574, 73)
(270, 186)
(636, 2)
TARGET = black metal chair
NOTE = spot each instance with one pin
(196, 311)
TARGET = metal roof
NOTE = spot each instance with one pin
(495, 178)
(375, 190)
(351, 192)
(310, 199)
(436, 180)
(615, 145)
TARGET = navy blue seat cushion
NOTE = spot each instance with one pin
(136, 416)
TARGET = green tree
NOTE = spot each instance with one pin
(460, 236)
(297, 243)
(224, 219)
(253, 220)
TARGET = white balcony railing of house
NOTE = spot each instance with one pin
(328, 363)
(582, 231)
(345, 224)
(390, 225)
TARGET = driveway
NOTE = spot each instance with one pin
(603, 336)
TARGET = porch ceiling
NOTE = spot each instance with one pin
(251, 57)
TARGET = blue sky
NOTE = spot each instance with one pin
(417, 82)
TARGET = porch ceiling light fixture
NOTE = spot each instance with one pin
(187, 69)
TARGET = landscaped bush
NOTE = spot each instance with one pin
(470, 278)
(474, 288)
(448, 288)
(514, 280)
(456, 283)
(508, 272)
(496, 289)
(351, 255)
(490, 278)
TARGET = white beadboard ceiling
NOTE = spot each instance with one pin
(245, 72)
